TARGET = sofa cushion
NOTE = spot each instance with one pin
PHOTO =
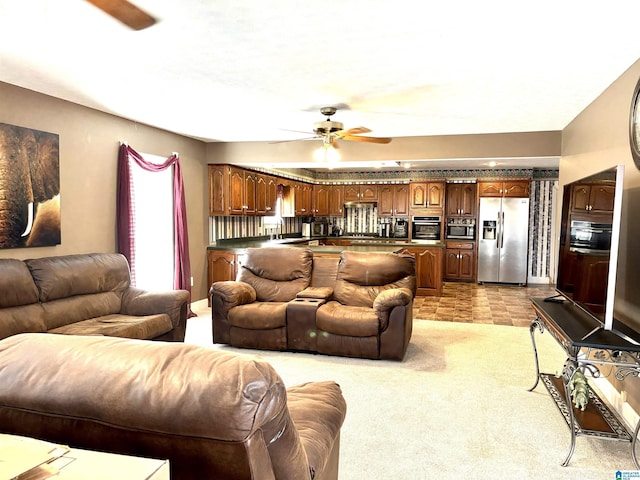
(22, 319)
(16, 284)
(145, 327)
(335, 318)
(276, 273)
(66, 276)
(259, 315)
(80, 307)
(362, 276)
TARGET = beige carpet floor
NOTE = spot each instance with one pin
(456, 407)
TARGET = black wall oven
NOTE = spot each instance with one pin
(590, 235)
(426, 228)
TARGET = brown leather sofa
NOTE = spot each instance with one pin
(86, 294)
(284, 298)
(213, 414)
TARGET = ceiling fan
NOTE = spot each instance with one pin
(330, 131)
(126, 12)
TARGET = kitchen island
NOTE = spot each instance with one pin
(224, 257)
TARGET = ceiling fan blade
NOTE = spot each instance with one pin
(355, 138)
(355, 131)
(126, 12)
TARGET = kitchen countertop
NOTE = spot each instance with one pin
(358, 243)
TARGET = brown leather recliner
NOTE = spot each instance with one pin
(251, 312)
(370, 313)
(285, 299)
(213, 414)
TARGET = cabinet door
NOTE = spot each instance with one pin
(429, 270)
(369, 193)
(218, 189)
(221, 266)
(261, 194)
(336, 201)
(236, 191)
(321, 199)
(452, 263)
(467, 199)
(435, 194)
(452, 203)
(351, 193)
(401, 200)
(418, 195)
(250, 179)
(601, 198)
(466, 264)
(272, 195)
(580, 197)
(385, 204)
(490, 189)
(516, 188)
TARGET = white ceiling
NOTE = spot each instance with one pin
(251, 70)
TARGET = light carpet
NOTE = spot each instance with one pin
(456, 407)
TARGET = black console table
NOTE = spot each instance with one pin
(588, 347)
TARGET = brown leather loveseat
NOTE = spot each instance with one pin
(284, 298)
(86, 294)
(213, 414)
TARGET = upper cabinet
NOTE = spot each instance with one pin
(361, 193)
(393, 200)
(336, 201)
(596, 198)
(426, 194)
(266, 194)
(461, 200)
(218, 190)
(321, 200)
(506, 188)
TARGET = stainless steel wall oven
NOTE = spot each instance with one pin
(426, 228)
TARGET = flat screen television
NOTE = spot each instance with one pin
(589, 241)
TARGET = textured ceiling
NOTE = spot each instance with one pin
(234, 70)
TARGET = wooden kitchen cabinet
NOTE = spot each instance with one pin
(361, 193)
(461, 200)
(303, 199)
(222, 265)
(336, 201)
(505, 188)
(592, 198)
(429, 267)
(266, 194)
(218, 190)
(426, 194)
(459, 261)
(393, 200)
(321, 200)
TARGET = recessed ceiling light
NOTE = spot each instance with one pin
(493, 164)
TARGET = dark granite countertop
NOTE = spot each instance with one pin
(358, 244)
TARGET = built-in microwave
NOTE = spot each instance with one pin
(426, 228)
(461, 228)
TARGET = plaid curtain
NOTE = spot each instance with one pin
(125, 213)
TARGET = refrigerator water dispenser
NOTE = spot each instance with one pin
(489, 230)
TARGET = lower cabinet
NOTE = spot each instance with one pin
(459, 261)
(221, 265)
(429, 265)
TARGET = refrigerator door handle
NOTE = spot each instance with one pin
(501, 237)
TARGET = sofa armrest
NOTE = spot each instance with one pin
(322, 293)
(388, 299)
(136, 301)
(233, 293)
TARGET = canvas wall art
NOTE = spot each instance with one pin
(29, 188)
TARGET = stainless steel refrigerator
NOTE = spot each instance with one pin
(503, 240)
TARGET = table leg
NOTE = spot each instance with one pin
(568, 372)
(536, 324)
